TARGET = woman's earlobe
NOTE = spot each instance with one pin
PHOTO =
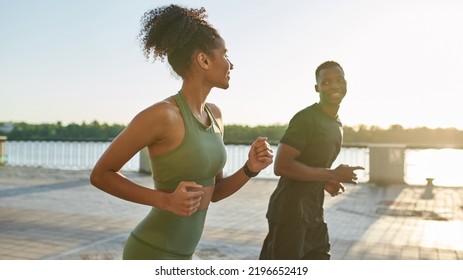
(203, 60)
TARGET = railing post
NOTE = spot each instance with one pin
(427, 194)
(2, 150)
(387, 164)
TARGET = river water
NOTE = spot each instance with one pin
(441, 164)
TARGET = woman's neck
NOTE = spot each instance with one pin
(196, 96)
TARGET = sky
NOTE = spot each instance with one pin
(80, 61)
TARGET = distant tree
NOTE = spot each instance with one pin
(239, 134)
(71, 132)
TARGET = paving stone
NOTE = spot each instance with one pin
(53, 214)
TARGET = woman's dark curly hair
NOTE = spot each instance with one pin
(176, 32)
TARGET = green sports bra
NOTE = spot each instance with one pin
(199, 157)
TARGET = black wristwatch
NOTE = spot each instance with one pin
(248, 172)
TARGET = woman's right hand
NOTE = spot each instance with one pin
(185, 200)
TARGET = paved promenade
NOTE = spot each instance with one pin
(52, 214)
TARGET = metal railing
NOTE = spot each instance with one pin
(83, 156)
(419, 164)
(59, 155)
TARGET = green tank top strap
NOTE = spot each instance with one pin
(190, 120)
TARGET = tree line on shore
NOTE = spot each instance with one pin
(240, 134)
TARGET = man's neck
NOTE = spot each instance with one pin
(331, 110)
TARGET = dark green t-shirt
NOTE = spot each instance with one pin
(318, 137)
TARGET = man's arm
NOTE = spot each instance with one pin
(286, 165)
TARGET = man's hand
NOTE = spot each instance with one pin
(345, 173)
(334, 188)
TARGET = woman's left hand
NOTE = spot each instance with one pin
(260, 155)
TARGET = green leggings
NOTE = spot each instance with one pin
(164, 235)
(137, 249)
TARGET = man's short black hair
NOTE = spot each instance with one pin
(325, 65)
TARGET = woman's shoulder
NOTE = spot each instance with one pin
(163, 112)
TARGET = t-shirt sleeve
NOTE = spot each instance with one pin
(299, 131)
